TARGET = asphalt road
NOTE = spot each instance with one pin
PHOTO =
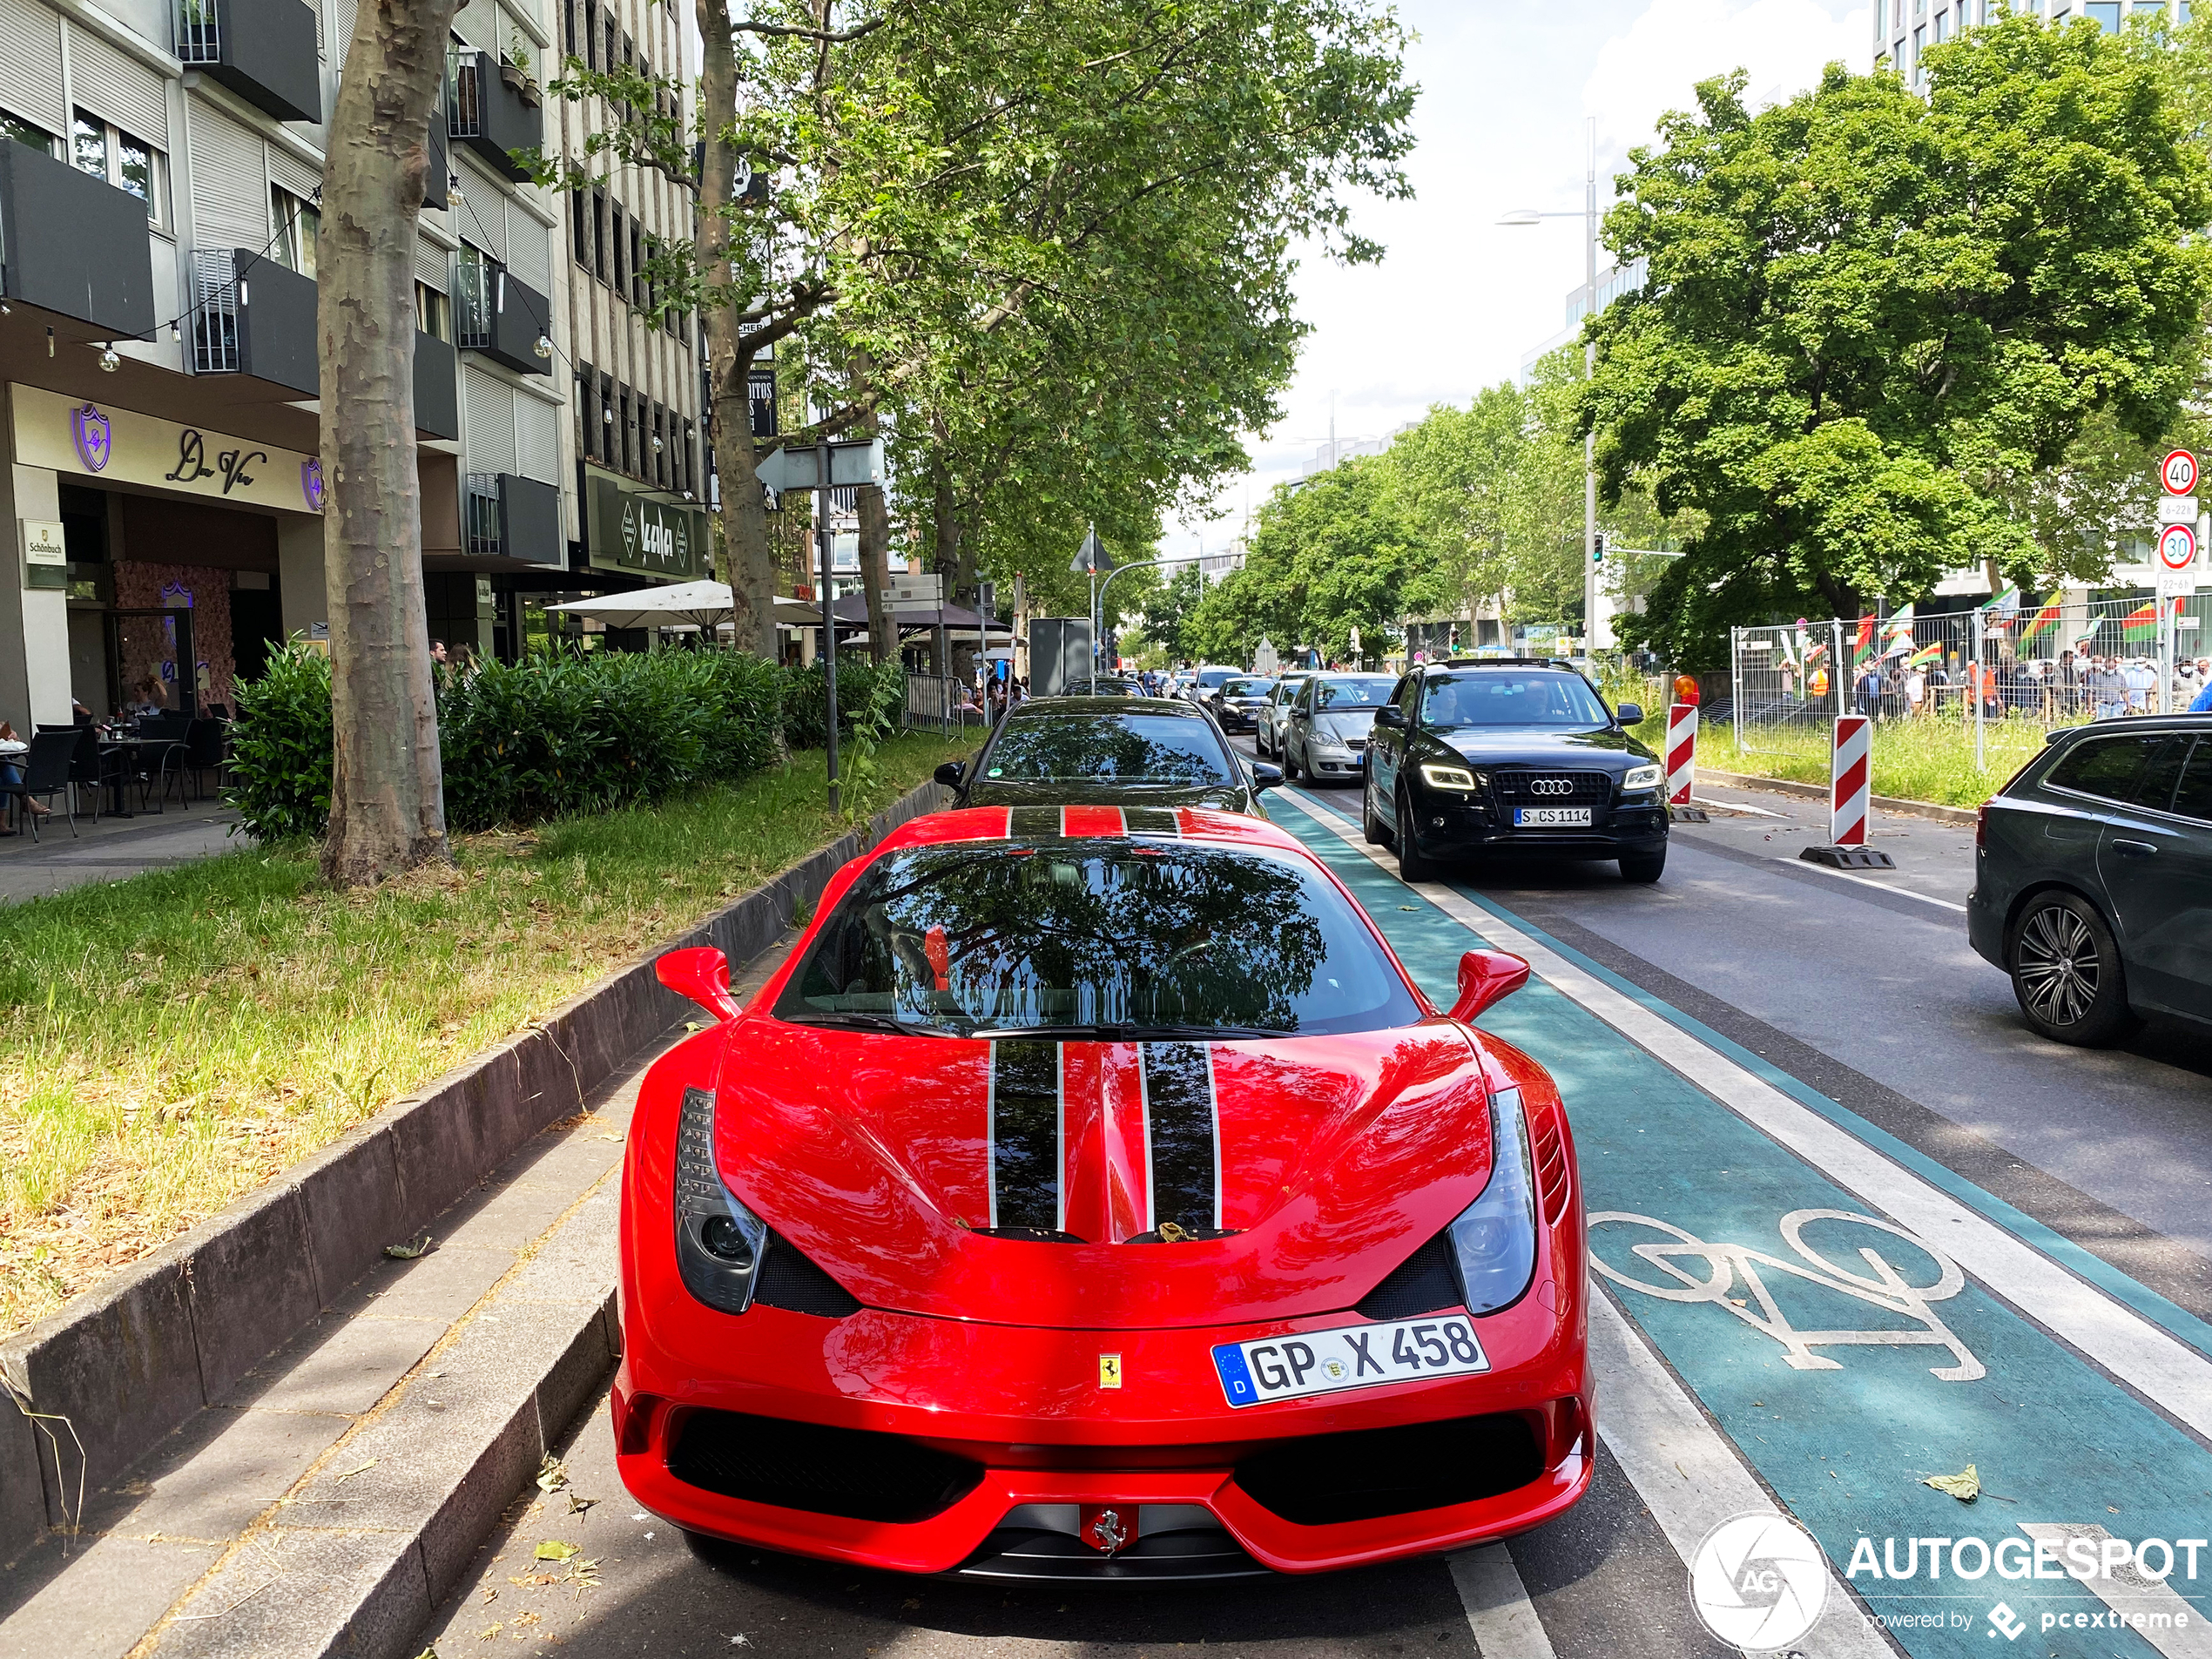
(1750, 1038)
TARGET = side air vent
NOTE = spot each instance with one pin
(1421, 1284)
(1551, 1170)
(790, 1279)
(850, 1472)
(1318, 1479)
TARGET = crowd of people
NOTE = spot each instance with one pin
(2101, 685)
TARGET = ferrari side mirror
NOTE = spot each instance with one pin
(1485, 977)
(949, 773)
(703, 974)
(1265, 775)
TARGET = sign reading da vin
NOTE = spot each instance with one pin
(1358, 1356)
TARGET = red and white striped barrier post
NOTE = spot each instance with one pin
(1850, 771)
(1682, 752)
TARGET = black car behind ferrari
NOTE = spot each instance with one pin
(1511, 755)
(2092, 878)
(1108, 752)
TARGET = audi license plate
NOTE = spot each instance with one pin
(1360, 1356)
(1551, 818)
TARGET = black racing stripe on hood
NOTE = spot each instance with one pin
(1183, 1136)
(1151, 821)
(1033, 824)
(1026, 1133)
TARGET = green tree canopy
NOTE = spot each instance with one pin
(1869, 314)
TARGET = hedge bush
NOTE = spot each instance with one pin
(557, 734)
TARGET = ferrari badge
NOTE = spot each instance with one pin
(1109, 1371)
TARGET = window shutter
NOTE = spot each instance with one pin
(487, 439)
(30, 63)
(230, 181)
(537, 442)
(122, 89)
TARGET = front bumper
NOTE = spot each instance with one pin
(1025, 1410)
(1337, 760)
(1447, 825)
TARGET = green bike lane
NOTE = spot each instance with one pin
(1829, 1331)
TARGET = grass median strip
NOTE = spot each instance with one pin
(1931, 759)
(170, 1042)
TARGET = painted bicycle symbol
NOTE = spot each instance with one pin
(1724, 1264)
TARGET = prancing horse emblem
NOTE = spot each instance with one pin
(1106, 1532)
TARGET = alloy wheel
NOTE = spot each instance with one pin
(2059, 972)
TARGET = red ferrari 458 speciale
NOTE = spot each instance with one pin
(1093, 1195)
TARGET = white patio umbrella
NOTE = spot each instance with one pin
(703, 604)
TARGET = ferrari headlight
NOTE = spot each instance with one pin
(719, 1241)
(1494, 1241)
(1448, 777)
(1643, 778)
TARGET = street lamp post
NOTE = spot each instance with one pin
(1589, 216)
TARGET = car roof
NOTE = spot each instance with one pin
(1033, 824)
(1505, 662)
(1152, 707)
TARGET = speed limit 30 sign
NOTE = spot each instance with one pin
(2178, 472)
(2177, 547)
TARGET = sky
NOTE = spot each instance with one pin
(1458, 300)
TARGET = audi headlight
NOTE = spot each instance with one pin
(1643, 778)
(719, 1241)
(1494, 1241)
(1459, 778)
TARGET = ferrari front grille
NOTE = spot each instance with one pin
(1421, 1284)
(1323, 1478)
(854, 1473)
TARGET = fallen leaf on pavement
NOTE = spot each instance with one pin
(408, 1253)
(361, 1469)
(577, 1506)
(552, 1474)
(554, 1550)
(1964, 1486)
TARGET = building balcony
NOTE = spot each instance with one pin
(74, 245)
(252, 316)
(497, 314)
(264, 51)
(507, 517)
(437, 387)
(489, 115)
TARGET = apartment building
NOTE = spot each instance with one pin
(159, 187)
(631, 358)
(1906, 29)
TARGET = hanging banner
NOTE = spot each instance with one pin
(81, 438)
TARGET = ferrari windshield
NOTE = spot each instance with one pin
(1368, 691)
(1131, 748)
(1504, 696)
(1114, 940)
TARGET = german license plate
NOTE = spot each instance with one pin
(1359, 1355)
(1551, 818)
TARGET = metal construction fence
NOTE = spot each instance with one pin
(2049, 664)
(933, 704)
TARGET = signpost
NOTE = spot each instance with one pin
(823, 468)
(1092, 559)
(2176, 564)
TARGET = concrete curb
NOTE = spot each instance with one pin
(137, 1357)
(1819, 792)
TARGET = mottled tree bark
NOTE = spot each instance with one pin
(387, 799)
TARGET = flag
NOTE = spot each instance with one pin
(1925, 654)
(2140, 624)
(1899, 624)
(1861, 647)
(2041, 623)
(2002, 606)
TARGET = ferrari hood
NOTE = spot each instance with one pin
(1028, 1181)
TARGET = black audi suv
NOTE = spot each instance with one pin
(1511, 755)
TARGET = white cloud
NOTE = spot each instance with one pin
(1653, 65)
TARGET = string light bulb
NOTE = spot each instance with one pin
(110, 359)
(544, 347)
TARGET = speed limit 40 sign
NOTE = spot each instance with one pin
(2178, 472)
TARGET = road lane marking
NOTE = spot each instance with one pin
(2166, 1621)
(1736, 806)
(1498, 1609)
(1863, 881)
(2156, 1364)
(1686, 1472)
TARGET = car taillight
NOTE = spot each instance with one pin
(1981, 826)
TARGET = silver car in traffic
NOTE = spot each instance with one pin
(1327, 738)
(1275, 719)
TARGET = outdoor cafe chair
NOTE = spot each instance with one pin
(89, 769)
(206, 749)
(45, 774)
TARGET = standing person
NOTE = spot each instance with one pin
(1916, 691)
(2064, 700)
(2140, 680)
(2202, 702)
(2105, 689)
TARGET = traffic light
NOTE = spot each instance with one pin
(1597, 548)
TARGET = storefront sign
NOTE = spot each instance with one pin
(96, 441)
(42, 542)
(632, 531)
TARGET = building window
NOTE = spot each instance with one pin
(688, 456)
(579, 227)
(127, 163)
(2105, 14)
(598, 264)
(23, 131)
(433, 313)
(637, 265)
(1919, 45)
(619, 235)
(472, 296)
(299, 228)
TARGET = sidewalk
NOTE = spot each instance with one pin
(341, 1494)
(112, 848)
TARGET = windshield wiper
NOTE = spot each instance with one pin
(850, 1021)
